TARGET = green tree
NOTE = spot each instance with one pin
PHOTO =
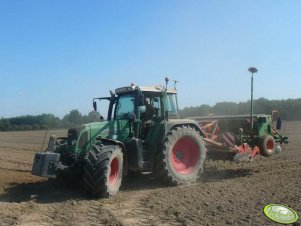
(5, 125)
(93, 116)
(72, 119)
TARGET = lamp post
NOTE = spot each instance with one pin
(252, 70)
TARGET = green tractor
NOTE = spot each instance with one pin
(143, 132)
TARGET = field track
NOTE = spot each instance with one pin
(227, 194)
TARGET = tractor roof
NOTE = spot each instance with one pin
(156, 88)
(153, 88)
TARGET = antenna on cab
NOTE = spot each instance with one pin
(174, 84)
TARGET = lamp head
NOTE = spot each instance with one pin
(252, 69)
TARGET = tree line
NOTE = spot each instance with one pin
(44, 121)
(289, 109)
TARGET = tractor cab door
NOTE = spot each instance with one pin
(151, 113)
(152, 125)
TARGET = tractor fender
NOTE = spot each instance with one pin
(173, 123)
(107, 141)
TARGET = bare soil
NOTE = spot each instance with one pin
(227, 194)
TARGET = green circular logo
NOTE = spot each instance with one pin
(280, 213)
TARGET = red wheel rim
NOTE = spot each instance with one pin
(114, 171)
(185, 155)
(270, 146)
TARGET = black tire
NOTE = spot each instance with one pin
(103, 170)
(267, 145)
(182, 157)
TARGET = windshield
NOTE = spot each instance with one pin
(125, 106)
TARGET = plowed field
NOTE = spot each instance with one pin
(227, 194)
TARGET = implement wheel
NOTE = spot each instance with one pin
(267, 145)
(103, 170)
(181, 160)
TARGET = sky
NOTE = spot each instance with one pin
(56, 56)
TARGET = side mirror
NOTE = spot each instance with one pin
(140, 100)
(95, 105)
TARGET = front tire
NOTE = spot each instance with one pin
(103, 170)
(182, 157)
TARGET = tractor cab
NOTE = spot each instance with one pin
(141, 106)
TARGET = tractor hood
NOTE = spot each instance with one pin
(115, 129)
(81, 138)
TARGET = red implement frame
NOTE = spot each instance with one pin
(244, 152)
(210, 128)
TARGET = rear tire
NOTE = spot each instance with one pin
(103, 170)
(267, 145)
(182, 157)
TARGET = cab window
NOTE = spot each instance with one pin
(125, 106)
(172, 107)
(152, 107)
